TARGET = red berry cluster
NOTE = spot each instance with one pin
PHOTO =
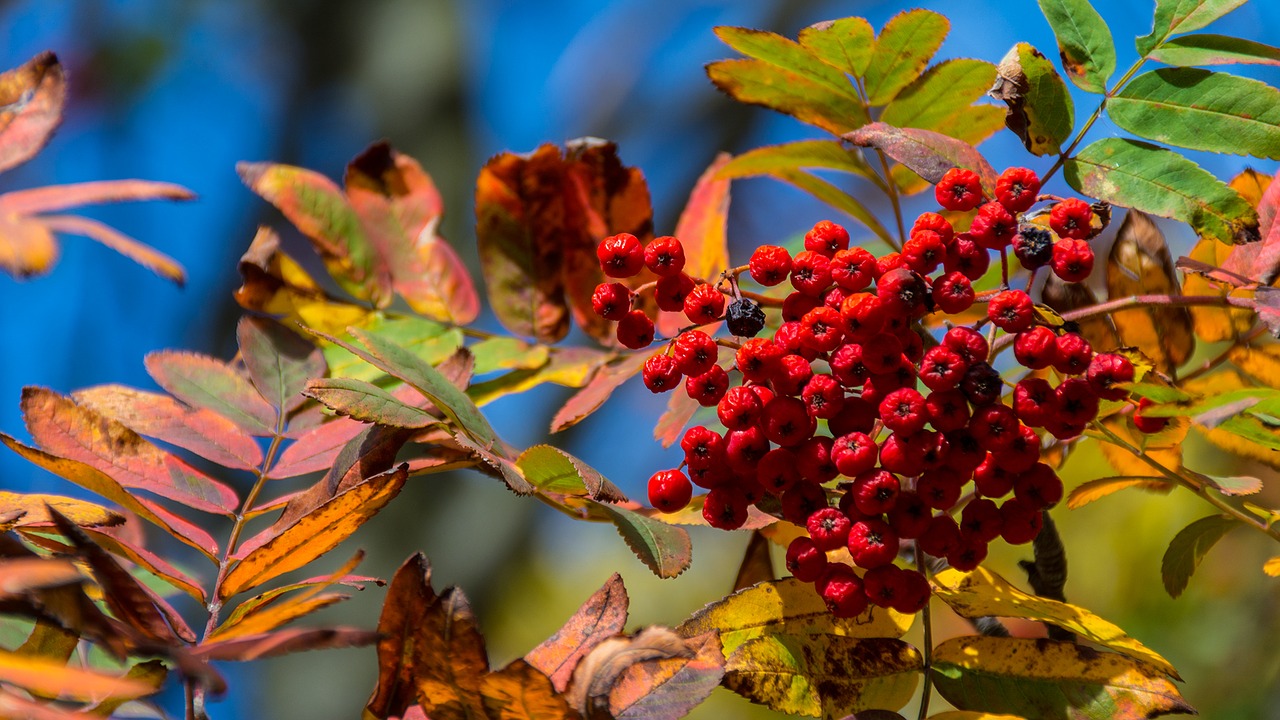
(854, 423)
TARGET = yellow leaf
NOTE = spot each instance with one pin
(983, 593)
(28, 248)
(971, 715)
(786, 606)
(1164, 447)
(54, 679)
(1272, 566)
(315, 533)
(33, 509)
(1260, 362)
(1214, 324)
(261, 617)
(1102, 487)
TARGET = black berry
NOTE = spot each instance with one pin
(745, 318)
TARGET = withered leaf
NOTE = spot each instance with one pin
(1140, 264)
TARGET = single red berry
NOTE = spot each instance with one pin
(953, 293)
(946, 410)
(797, 304)
(829, 528)
(826, 238)
(770, 265)
(882, 354)
(777, 470)
(739, 408)
(1036, 348)
(813, 460)
(881, 584)
(805, 561)
(1020, 521)
(694, 352)
(1022, 453)
(981, 519)
(1011, 311)
(611, 301)
(1040, 487)
(704, 304)
(967, 343)
(1033, 401)
(924, 251)
(959, 189)
(968, 555)
(1016, 189)
(864, 316)
(966, 452)
(635, 330)
(842, 591)
(660, 373)
(872, 543)
(854, 453)
(664, 256)
(942, 368)
(903, 411)
(621, 255)
(1074, 354)
(758, 359)
(669, 490)
(823, 396)
(888, 262)
(995, 426)
(744, 448)
(847, 366)
(834, 297)
(712, 476)
(1106, 370)
(936, 223)
(992, 481)
(967, 257)
(854, 269)
(725, 509)
(910, 515)
(981, 384)
(671, 291)
(993, 227)
(1072, 218)
(940, 488)
(911, 593)
(702, 447)
(941, 538)
(708, 387)
(898, 454)
(794, 372)
(802, 500)
(820, 329)
(1145, 423)
(875, 492)
(811, 273)
(1072, 260)
(787, 421)
(902, 292)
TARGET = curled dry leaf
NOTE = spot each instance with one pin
(1040, 111)
(599, 671)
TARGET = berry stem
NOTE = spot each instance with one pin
(1004, 268)
(761, 300)
(927, 620)
(722, 342)
(891, 188)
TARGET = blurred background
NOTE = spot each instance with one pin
(180, 90)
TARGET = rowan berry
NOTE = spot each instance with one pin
(1072, 260)
(863, 315)
(1074, 354)
(941, 538)
(758, 359)
(924, 251)
(1020, 521)
(834, 297)
(953, 293)
(968, 555)
(770, 265)
(910, 515)
(823, 396)
(621, 255)
(1016, 189)
(777, 470)
(946, 410)
(899, 455)
(709, 387)
(959, 189)
(805, 561)
(664, 256)
(811, 273)
(702, 447)
(991, 480)
(1106, 370)
(995, 426)
(881, 584)
(882, 354)
(981, 384)
(853, 453)
(911, 593)
(1011, 311)
(764, 392)
(694, 352)
(981, 519)
(670, 490)
(813, 460)
(704, 304)
(940, 488)
(660, 373)
(902, 292)
(966, 452)
(935, 222)
(875, 492)
(872, 543)
(857, 415)
(725, 508)
(1145, 423)
(787, 421)
(1040, 487)
(744, 318)
(888, 262)
(967, 257)
(1033, 401)
(1022, 453)
(1036, 348)
(1033, 247)
(635, 330)
(744, 448)
(802, 500)
(993, 227)
(739, 408)
(1072, 218)
(967, 343)
(820, 329)
(797, 304)
(828, 528)
(794, 372)
(826, 238)
(902, 411)
(671, 291)
(611, 301)
(841, 589)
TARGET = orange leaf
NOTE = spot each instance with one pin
(63, 197)
(115, 541)
(284, 642)
(315, 533)
(205, 382)
(590, 398)
(449, 659)
(521, 692)
(403, 613)
(54, 679)
(200, 430)
(33, 509)
(28, 248)
(19, 576)
(702, 231)
(60, 426)
(31, 99)
(602, 616)
(670, 687)
(264, 616)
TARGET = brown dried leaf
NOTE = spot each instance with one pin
(403, 612)
(598, 673)
(1140, 264)
(31, 100)
(449, 660)
(602, 616)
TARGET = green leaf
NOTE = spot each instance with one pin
(367, 402)
(1161, 182)
(1201, 110)
(279, 361)
(664, 549)
(786, 54)
(430, 341)
(1084, 42)
(1040, 678)
(906, 44)
(836, 198)
(1040, 109)
(554, 470)
(508, 353)
(824, 675)
(928, 153)
(1174, 17)
(773, 159)
(943, 91)
(846, 43)
(1189, 547)
(1158, 393)
(1209, 49)
(759, 83)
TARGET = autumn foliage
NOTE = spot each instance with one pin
(233, 481)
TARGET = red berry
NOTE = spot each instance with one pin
(941, 538)
(1036, 348)
(853, 270)
(694, 352)
(858, 415)
(787, 421)
(993, 227)
(820, 329)
(621, 255)
(942, 368)
(811, 273)
(739, 408)
(805, 561)
(795, 305)
(967, 257)
(826, 238)
(968, 555)
(777, 470)
(635, 330)
(704, 304)
(725, 509)
(1011, 311)
(864, 316)
(959, 189)
(828, 528)
(1020, 521)
(813, 460)
(1016, 189)
(902, 292)
(1148, 424)
(744, 448)
(903, 411)
(911, 593)
(1022, 453)
(823, 396)
(981, 384)
(611, 301)
(1105, 371)
(981, 519)
(842, 591)
(671, 291)
(854, 453)
(936, 223)
(946, 410)
(1072, 260)
(802, 500)
(1033, 401)
(669, 490)
(995, 426)
(875, 492)
(758, 359)
(660, 373)
(991, 480)
(940, 488)
(1074, 354)
(1040, 487)
(1033, 247)
(872, 543)
(910, 515)
(709, 387)
(702, 447)
(770, 265)
(967, 343)
(793, 374)
(953, 293)
(924, 251)
(1071, 218)
(899, 455)
(664, 256)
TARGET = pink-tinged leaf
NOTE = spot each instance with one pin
(602, 616)
(316, 449)
(317, 207)
(400, 208)
(28, 248)
(279, 361)
(206, 382)
(152, 259)
(702, 230)
(31, 100)
(1260, 261)
(60, 426)
(116, 541)
(668, 689)
(202, 431)
(284, 642)
(96, 481)
(51, 198)
(590, 398)
(19, 576)
(927, 153)
(680, 409)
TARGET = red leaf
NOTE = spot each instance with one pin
(703, 232)
(929, 154)
(1260, 261)
(590, 398)
(51, 198)
(203, 381)
(680, 409)
(284, 642)
(31, 99)
(316, 449)
(601, 617)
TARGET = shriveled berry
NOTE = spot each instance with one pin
(981, 384)
(826, 238)
(744, 318)
(1072, 260)
(1071, 218)
(611, 301)
(664, 256)
(635, 330)
(1033, 247)
(959, 189)
(621, 255)
(660, 373)
(805, 561)
(670, 490)
(709, 387)
(704, 304)
(1016, 189)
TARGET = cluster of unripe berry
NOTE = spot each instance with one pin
(854, 422)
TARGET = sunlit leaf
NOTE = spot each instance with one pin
(971, 715)
(598, 673)
(31, 100)
(703, 231)
(801, 154)
(786, 54)
(1161, 182)
(432, 342)
(283, 642)
(508, 353)
(51, 678)
(32, 508)
(602, 616)
(1164, 447)
(668, 688)
(565, 366)
(1214, 324)
(983, 593)
(449, 659)
(1087, 492)
(824, 675)
(521, 692)
(1040, 108)
(279, 361)
(1174, 17)
(757, 82)
(553, 470)
(664, 549)
(594, 394)
(786, 607)
(203, 381)
(315, 533)
(316, 449)
(846, 43)
(1272, 567)
(902, 51)
(119, 541)
(1084, 42)
(942, 92)
(1209, 49)
(1140, 264)
(28, 248)
(1035, 677)
(1189, 547)
(146, 256)
(928, 153)
(19, 576)
(367, 402)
